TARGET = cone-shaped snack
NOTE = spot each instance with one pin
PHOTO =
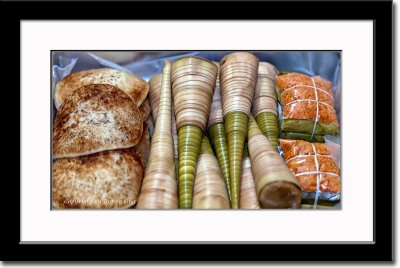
(193, 81)
(159, 188)
(248, 195)
(275, 185)
(209, 187)
(154, 95)
(265, 105)
(216, 131)
(238, 76)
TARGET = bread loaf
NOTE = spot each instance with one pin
(96, 118)
(145, 109)
(110, 179)
(134, 86)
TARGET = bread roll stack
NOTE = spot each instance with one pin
(100, 139)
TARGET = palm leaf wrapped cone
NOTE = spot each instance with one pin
(193, 82)
(216, 131)
(248, 195)
(275, 185)
(238, 76)
(154, 96)
(209, 187)
(159, 187)
(265, 103)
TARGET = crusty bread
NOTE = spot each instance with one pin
(145, 109)
(142, 149)
(96, 118)
(135, 86)
(110, 179)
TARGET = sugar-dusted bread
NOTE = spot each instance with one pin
(110, 179)
(134, 86)
(145, 109)
(96, 118)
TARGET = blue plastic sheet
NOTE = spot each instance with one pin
(148, 63)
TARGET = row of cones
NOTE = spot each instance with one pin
(194, 82)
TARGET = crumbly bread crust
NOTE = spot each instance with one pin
(133, 85)
(110, 179)
(96, 118)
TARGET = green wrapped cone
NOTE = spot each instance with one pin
(205, 146)
(189, 145)
(246, 149)
(236, 125)
(218, 139)
(268, 123)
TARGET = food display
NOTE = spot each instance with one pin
(221, 130)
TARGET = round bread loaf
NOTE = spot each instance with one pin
(96, 118)
(133, 85)
(110, 179)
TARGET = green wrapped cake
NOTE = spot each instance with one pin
(308, 107)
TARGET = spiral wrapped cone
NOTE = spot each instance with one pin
(276, 186)
(209, 187)
(248, 195)
(218, 137)
(265, 104)
(238, 76)
(216, 131)
(154, 96)
(193, 82)
(269, 126)
(159, 187)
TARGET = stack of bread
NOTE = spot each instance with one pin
(101, 141)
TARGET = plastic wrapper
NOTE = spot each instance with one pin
(333, 146)
(315, 169)
(308, 106)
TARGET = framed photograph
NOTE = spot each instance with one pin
(121, 149)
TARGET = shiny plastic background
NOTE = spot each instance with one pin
(147, 63)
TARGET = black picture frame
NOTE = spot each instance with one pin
(378, 11)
